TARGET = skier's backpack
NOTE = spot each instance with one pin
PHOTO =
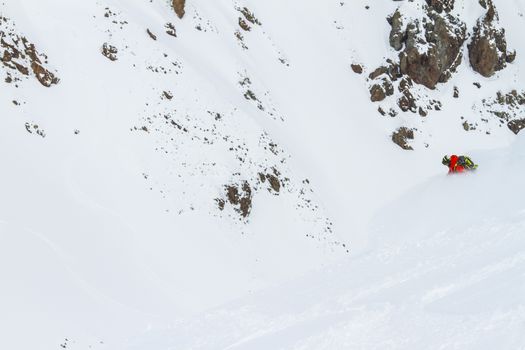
(467, 163)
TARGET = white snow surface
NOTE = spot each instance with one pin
(111, 238)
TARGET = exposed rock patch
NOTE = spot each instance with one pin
(239, 196)
(469, 126)
(441, 5)
(273, 181)
(240, 39)
(178, 6)
(456, 92)
(516, 125)
(151, 35)
(431, 46)
(109, 51)
(19, 55)
(35, 129)
(248, 16)
(167, 95)
(246, 21)
(170, 29)
(509, 108)
(429, 49)
(488, 48)
(401, 137)
(407, 102)
(244, 26)
(378, 92)
(357, 68)
(260, 99)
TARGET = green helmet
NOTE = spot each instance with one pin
(446, 160)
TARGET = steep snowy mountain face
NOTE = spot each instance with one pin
(194, 174)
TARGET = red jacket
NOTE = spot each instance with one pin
(453, 166)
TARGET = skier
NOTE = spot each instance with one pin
(458, 164)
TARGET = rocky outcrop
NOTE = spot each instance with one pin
(516, 125)
(378, 92)
(401, 136)
(431, 47)
(488, 48)
(248, 19)
(109, 51)
(507, 107)
(441, 5)
(430, 50)
(429, 43)
(273, 181)
(178, 6)
(20, 55)
(240, 197)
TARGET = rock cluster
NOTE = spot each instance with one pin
(509, 108)
(240, 197)
(430, 50)
(246, 21)
(430, 47)
(109, 51)
(18, 54)
(401, 137)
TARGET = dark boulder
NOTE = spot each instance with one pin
(356, 68)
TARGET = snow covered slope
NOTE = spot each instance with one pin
(155, 168)
(446, 269)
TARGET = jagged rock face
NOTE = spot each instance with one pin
(178, 6)
(441, 5)
(18, 54)
(442, 34)
(488, 48)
